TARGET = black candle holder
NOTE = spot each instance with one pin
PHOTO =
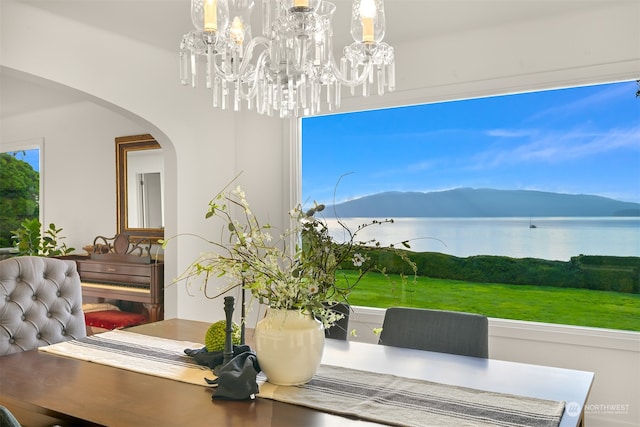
(228, 341)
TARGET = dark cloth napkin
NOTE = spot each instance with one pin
(237, 378)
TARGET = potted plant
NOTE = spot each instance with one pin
(296, 275)
(29, 239)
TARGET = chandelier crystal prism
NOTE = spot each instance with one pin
(289, 70)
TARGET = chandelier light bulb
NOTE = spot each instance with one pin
(367, 14)
(211, 15)
(300, 6)
(237, 31)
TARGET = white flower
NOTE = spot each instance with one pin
(238, 192)
(358, 259)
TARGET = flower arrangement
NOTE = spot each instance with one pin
(298, 270)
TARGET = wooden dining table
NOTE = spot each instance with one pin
(78, 392)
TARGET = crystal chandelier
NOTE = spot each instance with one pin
(289, 70)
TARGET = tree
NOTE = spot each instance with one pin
(19, 195)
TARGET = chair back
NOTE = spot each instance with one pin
(40, 303)
(7, 419)
(436, 330)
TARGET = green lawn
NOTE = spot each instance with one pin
(568, 306)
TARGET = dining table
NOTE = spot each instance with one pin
(85, 393)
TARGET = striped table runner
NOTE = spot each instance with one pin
(145, 354)
(408, 402)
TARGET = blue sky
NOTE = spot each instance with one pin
(31, 157)
(579, 141)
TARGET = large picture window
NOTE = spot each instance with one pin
(519, 184)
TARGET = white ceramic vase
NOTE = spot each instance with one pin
(289, 346)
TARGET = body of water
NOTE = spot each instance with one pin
(551, 239)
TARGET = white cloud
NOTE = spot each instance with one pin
(421, 166)
(509, 133)
(603, 96)
(556, 147)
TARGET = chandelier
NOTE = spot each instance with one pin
(289, 70)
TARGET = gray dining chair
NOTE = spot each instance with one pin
(436, 330)
(7, 419)
(40, 303)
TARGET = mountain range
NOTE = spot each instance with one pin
(482, 202)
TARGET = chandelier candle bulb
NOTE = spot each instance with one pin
(367, 30)
(211, 15)
(367, 13)
(237, 31)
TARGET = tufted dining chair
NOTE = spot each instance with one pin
(7, 419)
(40, 303)
(454, 332)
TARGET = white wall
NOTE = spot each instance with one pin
(79, 166)
(598, 45)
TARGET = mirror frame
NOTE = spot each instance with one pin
(124, 145)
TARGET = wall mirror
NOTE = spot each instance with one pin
(139, 187)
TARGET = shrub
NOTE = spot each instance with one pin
(606, 273)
